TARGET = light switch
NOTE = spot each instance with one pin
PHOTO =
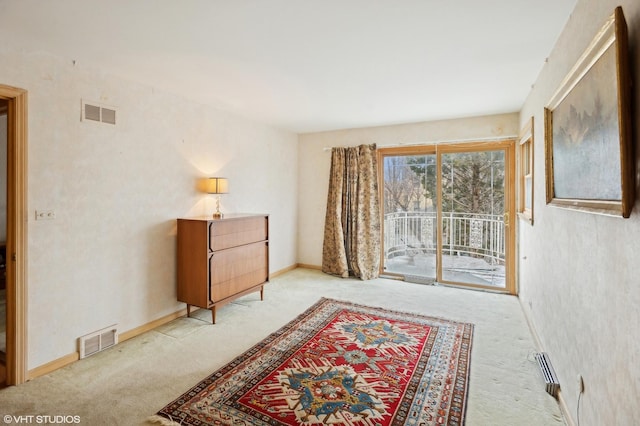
(45, 214)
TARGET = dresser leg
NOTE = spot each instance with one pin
(262, 293)
(213, 315)
(188, 310)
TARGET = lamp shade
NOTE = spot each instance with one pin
(217, 185)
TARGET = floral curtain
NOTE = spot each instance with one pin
(352, 223)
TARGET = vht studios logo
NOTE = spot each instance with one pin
(41, 419)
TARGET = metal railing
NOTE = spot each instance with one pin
(466, 234)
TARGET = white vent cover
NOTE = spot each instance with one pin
(98, 341)
(93, 111)
(548, 374)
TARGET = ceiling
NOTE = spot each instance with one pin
(307, 65)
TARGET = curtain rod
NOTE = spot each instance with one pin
(439, 142)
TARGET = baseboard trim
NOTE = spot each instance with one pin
(283, 271)
(532, 328)
(565, 409)
(53, 365)
(151, 325)
(307, 266)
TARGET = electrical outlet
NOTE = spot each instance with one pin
(45, 214)
(580, 383)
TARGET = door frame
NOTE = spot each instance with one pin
(508, 145)
(17, 224)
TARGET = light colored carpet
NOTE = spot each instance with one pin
(132, 381)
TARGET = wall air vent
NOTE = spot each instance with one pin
(92, 111)
(98, 341)
(548, 374)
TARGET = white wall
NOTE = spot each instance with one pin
(109, 256)
(580, 279)
(314, 163)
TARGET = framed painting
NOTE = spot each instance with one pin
(588, 146)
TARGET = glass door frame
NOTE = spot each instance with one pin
(508, 146)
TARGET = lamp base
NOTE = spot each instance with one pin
(218, 215)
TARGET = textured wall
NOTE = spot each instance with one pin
(314, 162)
(109, 256)
(578, 271)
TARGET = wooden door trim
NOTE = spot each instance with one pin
(17, 217)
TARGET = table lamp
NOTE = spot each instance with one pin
(217, 186)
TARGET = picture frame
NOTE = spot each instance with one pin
(588, 141)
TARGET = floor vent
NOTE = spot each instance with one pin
(550, 378)
(96, 112)
(98, 341)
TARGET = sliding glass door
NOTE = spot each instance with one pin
(446, 214)
(410, 231)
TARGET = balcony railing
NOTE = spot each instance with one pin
(463, 234)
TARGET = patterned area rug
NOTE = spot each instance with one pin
(340, 364)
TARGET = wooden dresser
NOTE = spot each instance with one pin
(220, 260)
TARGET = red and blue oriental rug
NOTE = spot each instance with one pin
(339, 363)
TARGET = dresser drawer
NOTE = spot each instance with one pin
(238, 269)
(237, 232)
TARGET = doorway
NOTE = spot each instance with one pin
(15, 101)
(446, 214)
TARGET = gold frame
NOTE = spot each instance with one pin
(613, 35)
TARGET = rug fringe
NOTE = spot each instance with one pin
(162, 420)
